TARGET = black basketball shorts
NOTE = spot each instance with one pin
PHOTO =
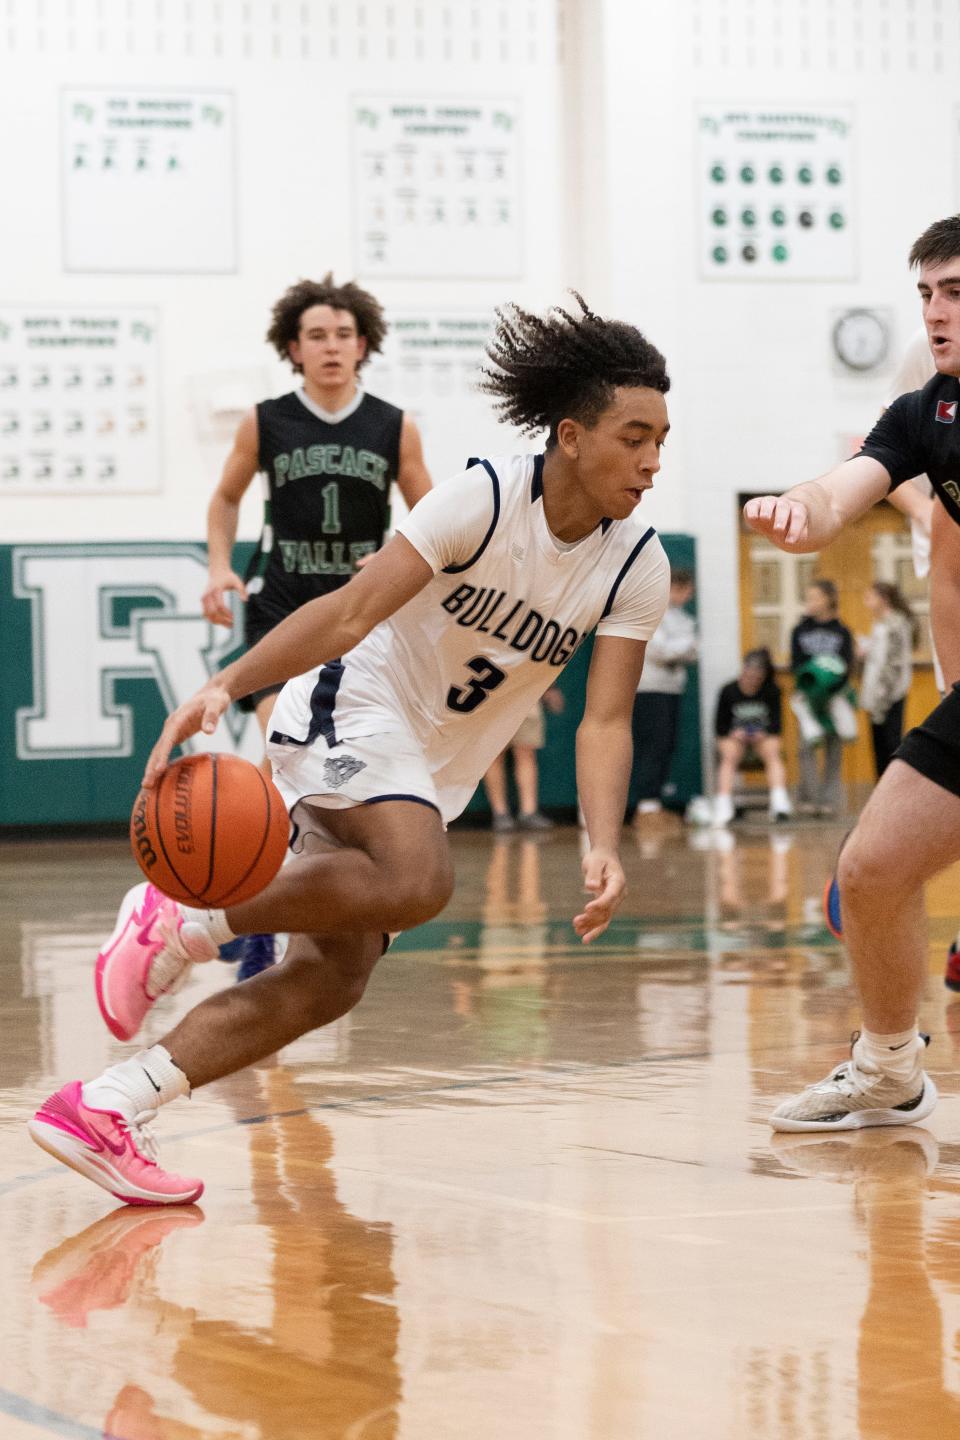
(256, 624)
(933, 748)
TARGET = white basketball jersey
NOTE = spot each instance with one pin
(462, 663)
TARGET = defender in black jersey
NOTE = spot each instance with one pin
(910, 828)
(328, 452)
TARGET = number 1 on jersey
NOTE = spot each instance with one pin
(330, 495)
(488, 677)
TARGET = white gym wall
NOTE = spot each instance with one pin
(608, 91)
(294, 70)
(758, 401)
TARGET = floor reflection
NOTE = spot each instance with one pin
(527, 1189)
(904, 1343)
(328, 1356)
(108, 1263)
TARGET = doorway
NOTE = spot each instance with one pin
(772, 585)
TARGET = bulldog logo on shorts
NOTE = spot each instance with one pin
(337, 770)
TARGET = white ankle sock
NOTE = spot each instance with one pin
(143, 1082)
(723, 810)
(893, 1054)
(214, 922)
(780, 800)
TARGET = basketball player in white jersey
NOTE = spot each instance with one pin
(410, 680)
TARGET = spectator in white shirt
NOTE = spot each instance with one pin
(887, 653)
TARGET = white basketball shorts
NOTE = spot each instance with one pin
(366, 771)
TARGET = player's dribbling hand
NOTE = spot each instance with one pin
(603, 878)
(201, 712)
(780, 520)
(214, 601)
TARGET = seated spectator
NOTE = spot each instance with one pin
(821, 657)
(748, 722)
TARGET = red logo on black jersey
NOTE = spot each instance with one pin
(947, 411)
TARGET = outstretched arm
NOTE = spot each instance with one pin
(604, 753)
(319, 631)
(810, 516)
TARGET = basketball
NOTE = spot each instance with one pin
(213, 831)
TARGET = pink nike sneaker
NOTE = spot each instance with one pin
(118, 1154)
(148, 955)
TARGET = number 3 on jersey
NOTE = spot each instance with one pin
(488, 677)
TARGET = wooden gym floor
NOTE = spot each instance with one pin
(526, 1191)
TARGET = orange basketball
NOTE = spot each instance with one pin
(213, 831)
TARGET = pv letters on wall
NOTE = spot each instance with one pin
(102, 613)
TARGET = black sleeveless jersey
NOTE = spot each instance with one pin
(327, 503)
(920, 435)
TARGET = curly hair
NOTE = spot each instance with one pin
(565, 366)
(939, 243)
(365, 309)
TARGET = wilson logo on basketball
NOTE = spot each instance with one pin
(181, 812)
(212, 831)
(141, 839)
(947, 411)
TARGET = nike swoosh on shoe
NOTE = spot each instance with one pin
(114, 1149)
(144, 936)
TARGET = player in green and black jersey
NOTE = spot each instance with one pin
(329, 453)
